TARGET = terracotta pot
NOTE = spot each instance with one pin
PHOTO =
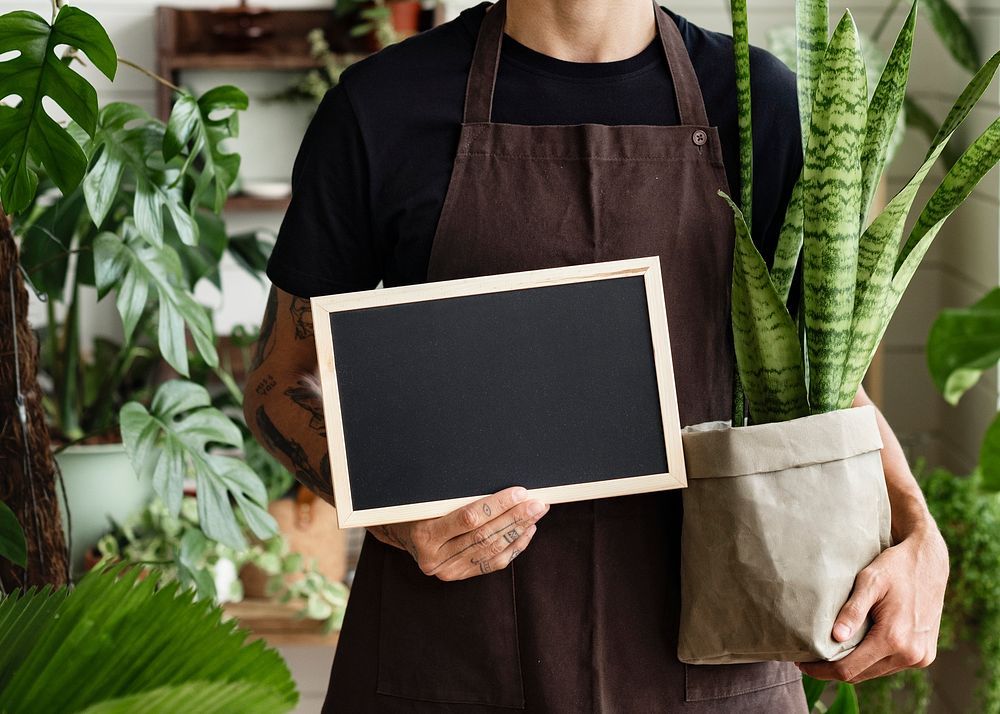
(405, 17)
(309, 524)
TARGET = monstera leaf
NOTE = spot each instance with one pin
(128, 145)
(173, 440)
(12, 544)
(118, 644)
(27, 131)
(135, 269)
(195, 129)
(963, 344)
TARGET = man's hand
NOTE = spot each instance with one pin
(903, 591)
(474, 540)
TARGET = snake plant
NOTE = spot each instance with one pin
(812, 359)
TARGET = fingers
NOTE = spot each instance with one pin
(884, 650)
(476, 514)
(479, 562)
(869, 588)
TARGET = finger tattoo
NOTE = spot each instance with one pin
(511, 535)
(513, 555)
(487, 510)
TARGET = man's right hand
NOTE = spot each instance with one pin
(479, 538)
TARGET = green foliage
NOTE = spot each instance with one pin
(854, 277)
(12, 544)
(969, 519)
(963, 344)
(27, 131)
(954, 33)
(116, 643)
(177, 438)
(177, 544)
(906, 692)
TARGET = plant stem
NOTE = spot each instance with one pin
(884, 20)
(151, 75)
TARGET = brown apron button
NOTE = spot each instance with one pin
(700, 138)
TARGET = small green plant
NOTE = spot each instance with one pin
(177, 547)
(965, 343)
(136, 645)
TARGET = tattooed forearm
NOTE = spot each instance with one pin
(305, 396)
(265, 385)
(265, 341)
(390, 536)
(302, 317)
(315, 480)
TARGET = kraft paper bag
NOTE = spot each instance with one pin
(778, 521)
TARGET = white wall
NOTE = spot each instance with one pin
(962, 265)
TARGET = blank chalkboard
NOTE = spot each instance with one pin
(557, 380)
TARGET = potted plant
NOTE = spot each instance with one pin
(128, 205)
(805, 454)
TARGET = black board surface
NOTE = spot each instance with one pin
(465, 396)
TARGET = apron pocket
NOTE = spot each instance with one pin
(449, 642)
(704, 682)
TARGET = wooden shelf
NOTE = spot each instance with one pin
(243, 202)
(278, 623)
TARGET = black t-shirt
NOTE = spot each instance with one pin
(373, 170)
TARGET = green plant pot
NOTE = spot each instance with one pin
(100, 486)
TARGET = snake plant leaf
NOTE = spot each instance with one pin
(954, 33)
(873, 303)
(963, 344)
(174, 440)
(789, 248)
(197, 127)
(884, 111)
(116, 643)
(766, 339)
(128, 142)
(989, 458)
(812, 24)
(27, 130)
(832, 208)
(977, 161)
(741, 50)
(967, 101)
(12, 544)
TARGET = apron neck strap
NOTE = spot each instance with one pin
(486, 60)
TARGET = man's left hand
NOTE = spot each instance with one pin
(903, 592)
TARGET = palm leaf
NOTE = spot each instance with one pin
(37, 72)
(963, 344)
(884, 111)
(832, 208)
(766, 339)
(114, 640)
(172, 441)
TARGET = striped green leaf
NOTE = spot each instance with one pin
(877, 251)
(766, 338)
(832, 208)
(884, 111)
(978, 160)
(789, 248)
(741, 48)
(967, 101)
(812, 24)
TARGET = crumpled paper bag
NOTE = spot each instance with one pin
(778, 521)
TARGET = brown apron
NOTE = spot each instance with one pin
(586, 619)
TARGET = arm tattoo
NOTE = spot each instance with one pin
(265, 341)
(318, 481)
(302, 316)
(305, 397)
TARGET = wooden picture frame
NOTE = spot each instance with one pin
(646, 268)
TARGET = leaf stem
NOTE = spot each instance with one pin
(151, 75)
